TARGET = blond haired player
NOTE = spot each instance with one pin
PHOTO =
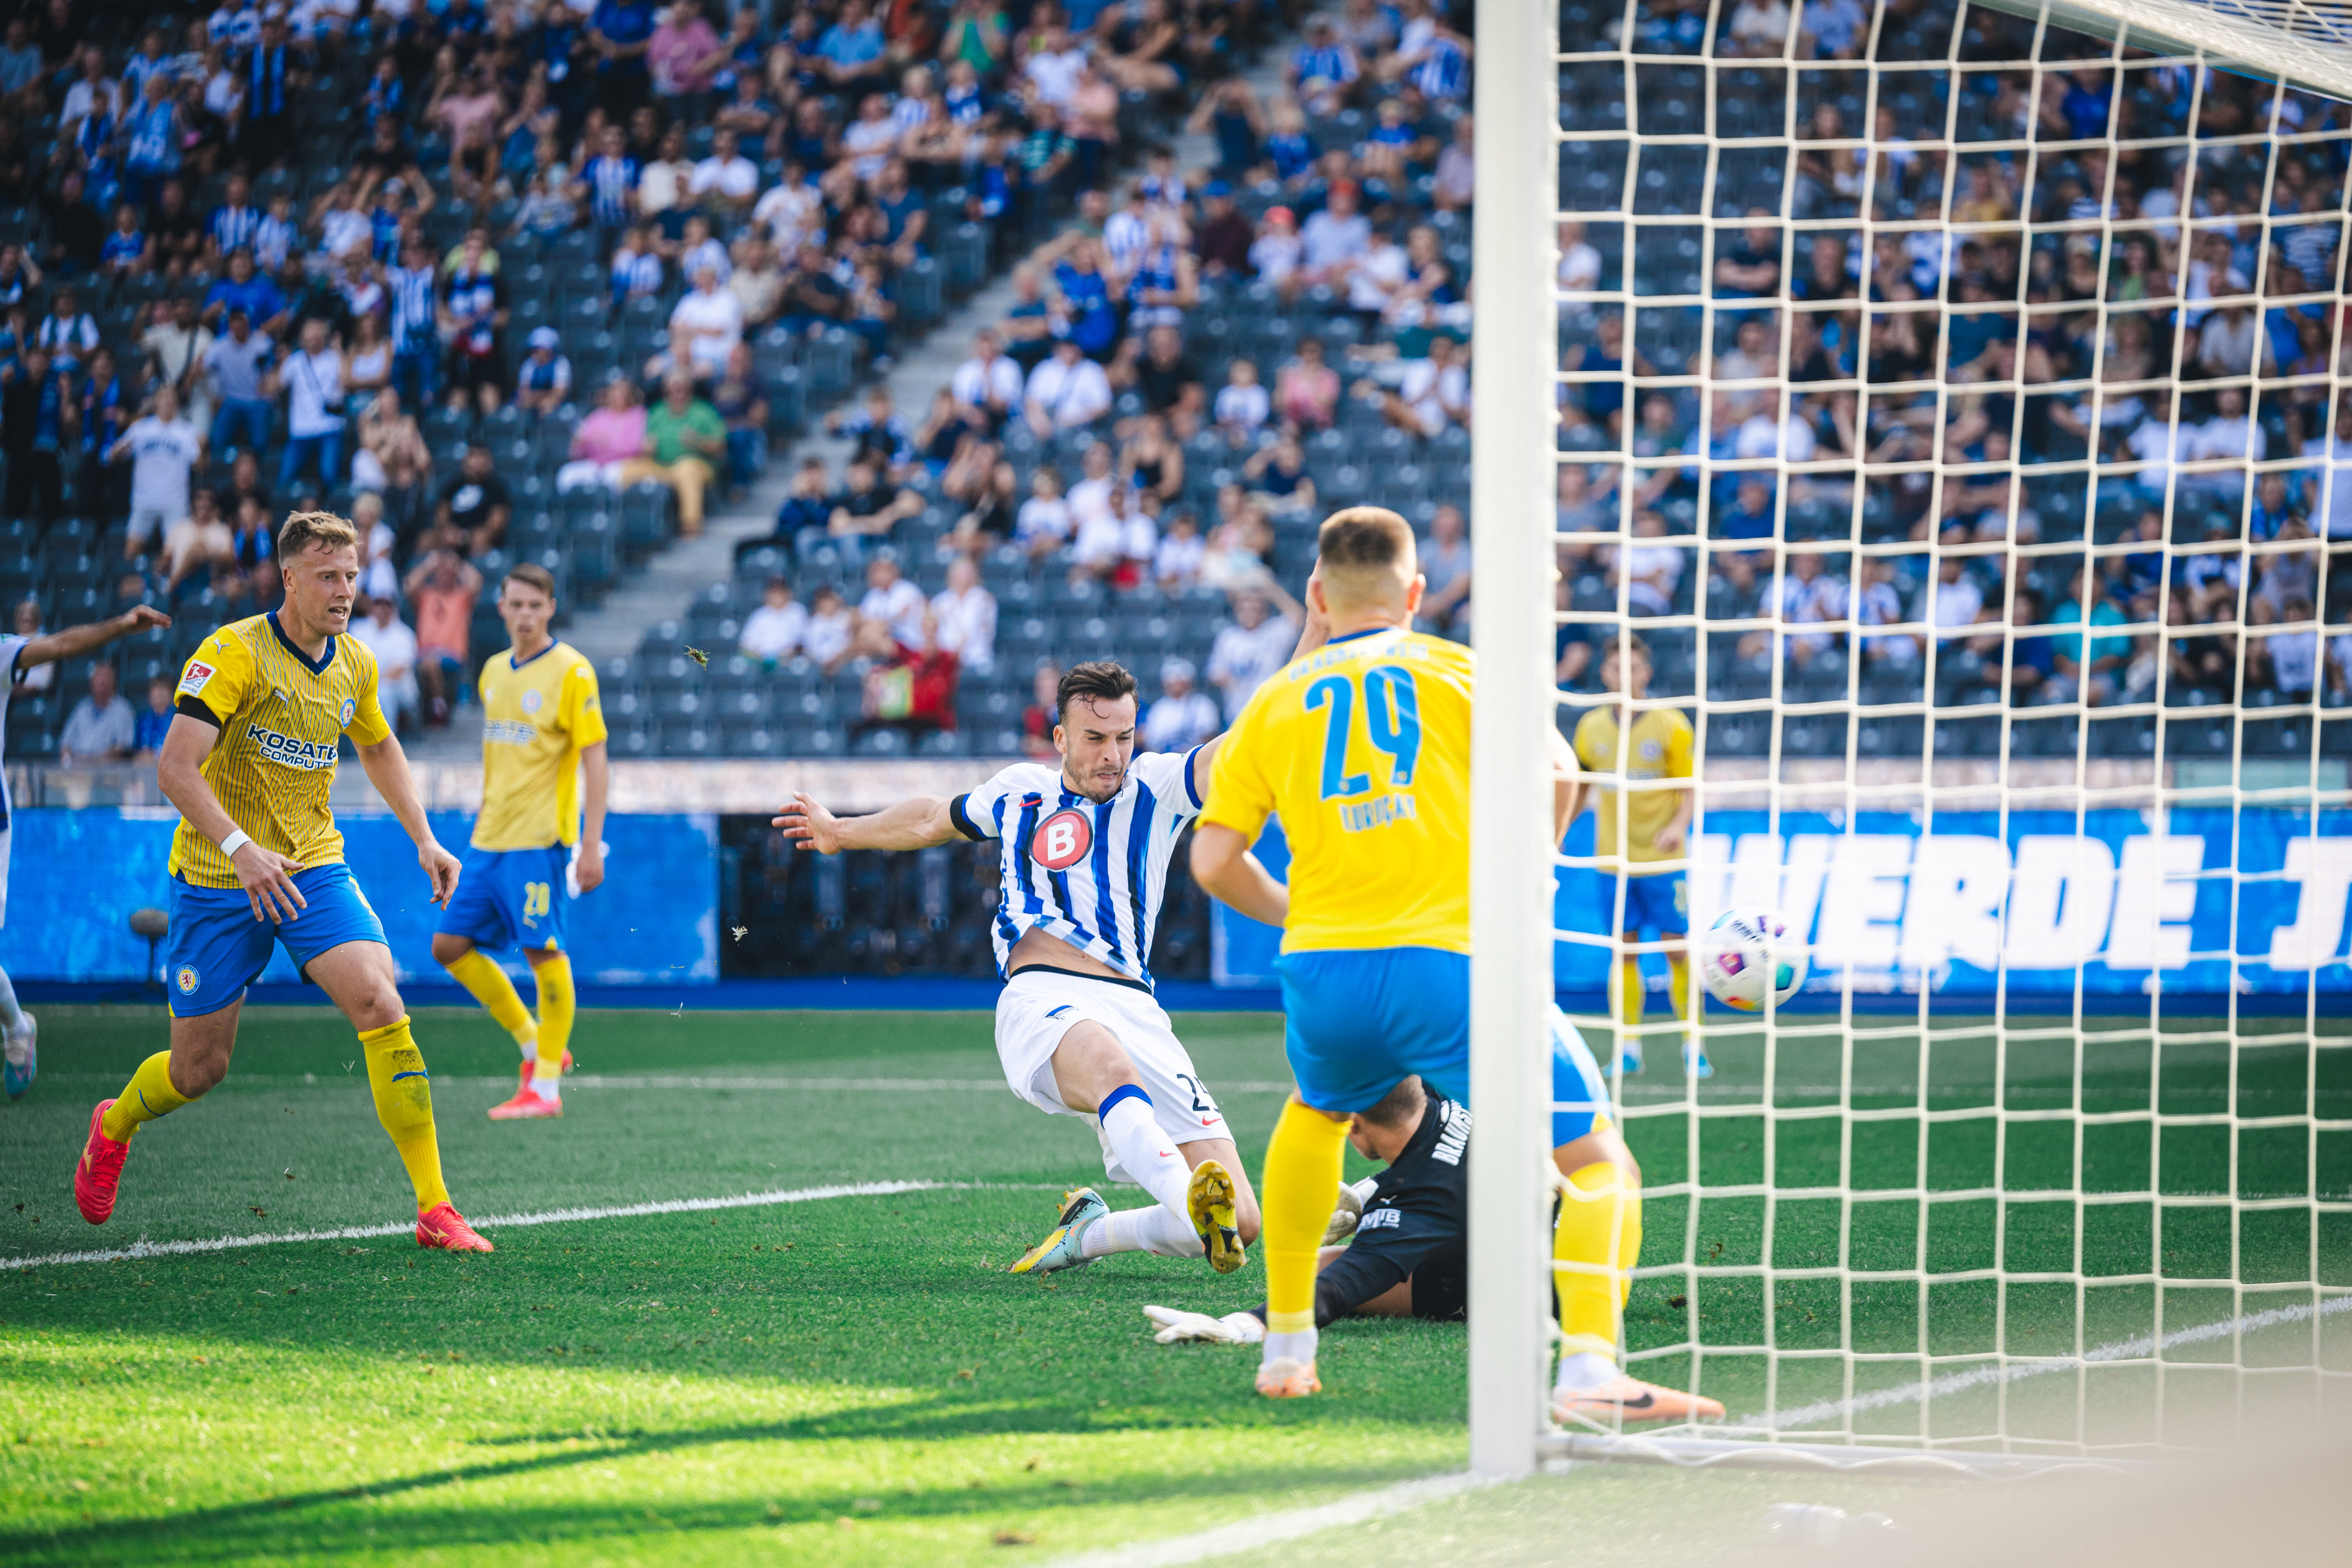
(1360, 747)
(543, 730)
(250, 762)
(1617, 746)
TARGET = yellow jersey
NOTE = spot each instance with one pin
(281, 716)
(1361, 749)
(1661, 750)
(536, 718)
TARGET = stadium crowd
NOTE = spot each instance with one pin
(2180, 304)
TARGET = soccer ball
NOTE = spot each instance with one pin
(1745, 952)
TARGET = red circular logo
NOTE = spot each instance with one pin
(1062, 840)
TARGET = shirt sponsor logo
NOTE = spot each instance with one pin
(1062, 840)
(509, 732)
(193, 680)
(290, 752)
(1381, 1220)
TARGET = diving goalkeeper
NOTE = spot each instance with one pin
(1410, 1253)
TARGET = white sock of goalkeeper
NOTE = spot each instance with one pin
(1153, 1230)
(1148, 1153)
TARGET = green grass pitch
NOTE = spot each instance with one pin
(859, 1378)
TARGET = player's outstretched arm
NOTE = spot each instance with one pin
(387, 770)
(911, 825)
(78, 639)
(1222, 864)
(267, 876)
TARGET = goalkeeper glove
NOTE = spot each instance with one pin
(1177, 1325)
(1348, 1211)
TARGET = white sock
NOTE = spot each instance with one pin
(1152, 1230)
(11, 1021)
(546, 1079)
(529, 1044)
(1148, 1153)
(1584, 1369)
(1300, 1347)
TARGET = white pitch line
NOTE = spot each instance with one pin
(1256, 1534)
(137, 1249)
(2133, 1349)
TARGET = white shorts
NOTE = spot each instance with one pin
(4, 873)
(1038, 1007)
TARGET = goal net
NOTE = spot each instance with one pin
(1952, 400)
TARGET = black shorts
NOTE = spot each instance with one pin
(1441, 1289)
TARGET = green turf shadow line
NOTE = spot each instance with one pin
(139, 1250)
(1254, 1535)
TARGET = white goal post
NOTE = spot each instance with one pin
(2078, 919)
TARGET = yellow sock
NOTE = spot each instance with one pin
(148, 1095)
(557, 1003)
(1629, 1001)
(404, 1103)
(1601, 1231)
(1303, 1161)
(480, 973)
(1678, 987)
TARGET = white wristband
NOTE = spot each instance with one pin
(233, 843)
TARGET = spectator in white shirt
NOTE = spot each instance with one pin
(965, 614)
(1089, 499)
(893, 601)
(1430, 393)
(774, 631)
(1177, 559)
(312, 379)
(1242, 406)
(1580, 263)
(1880, 603)
(103, 727)
(1374, 277)
(1184, 716)
(2228, 436)
(383, 634)
(1278, 253)
(163, 450)
(1044, 524)
(726, 182)
(1336, 238)
(792, 212)
(1066, 391)
(986, 387)
(1954, 600)
(705, 325)
(1249, 649)
(1651, 572)
(2331, 485)
(1115, 544)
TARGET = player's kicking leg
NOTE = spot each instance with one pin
(1113, 1057)
(217, 948)
(1596, 1241)
(508, 896)
(17, 1033)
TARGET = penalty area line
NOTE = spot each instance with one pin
(2135, 1348)
(139, 1250)
(1251, 1535)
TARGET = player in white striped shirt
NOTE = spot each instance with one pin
(1085, 858)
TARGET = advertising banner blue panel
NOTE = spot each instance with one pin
(75, 876)
(1895, 910)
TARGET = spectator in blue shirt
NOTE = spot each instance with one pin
(851, 49)
(247, 290)
(617, 35)
(148, 737)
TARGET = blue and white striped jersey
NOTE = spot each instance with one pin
(1092, 873)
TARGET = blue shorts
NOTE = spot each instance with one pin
(510, 897)
(1576, 1083)
(1355, 1023)
(216, 947)
(1659, 904)
(1358, 1022)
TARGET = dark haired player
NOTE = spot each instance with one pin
(1086, 848)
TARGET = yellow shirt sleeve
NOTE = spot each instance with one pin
(1583, 745)
(1240, 797)
(1678, 748)
(218, 675)
(367, 727)
(583, 711)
